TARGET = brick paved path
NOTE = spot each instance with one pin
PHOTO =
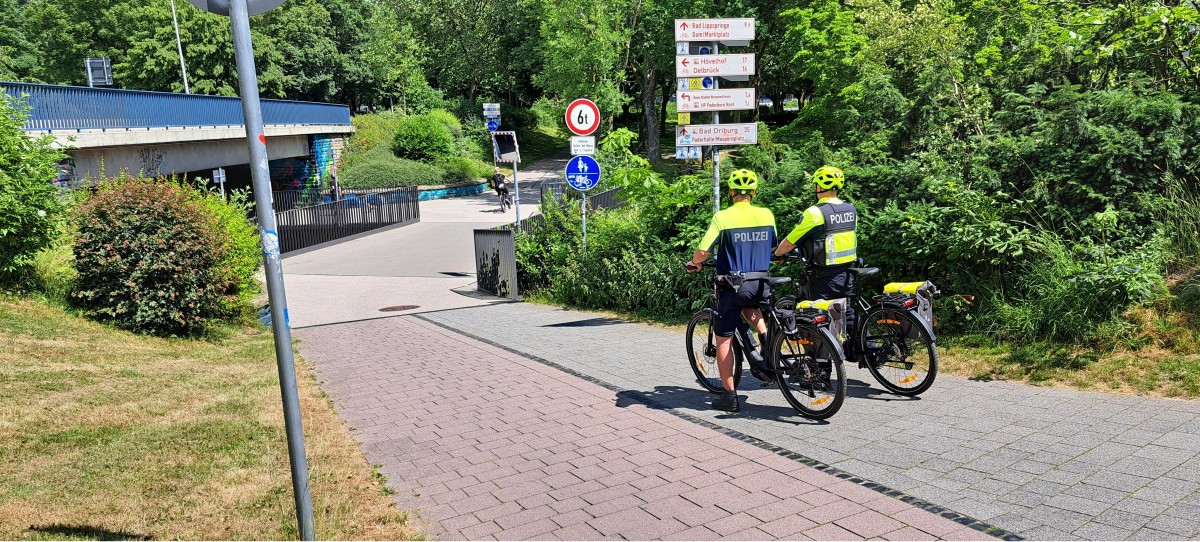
(1047, 464)
(489, 444)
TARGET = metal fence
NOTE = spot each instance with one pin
(496, 262)
(604, 200)
(311, 226)
(56, 107)
(495, 249)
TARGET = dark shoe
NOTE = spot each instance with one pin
(728, 402)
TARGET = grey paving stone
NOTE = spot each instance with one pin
(1141, 507)
(1183, 527)
(1101, 531)
(1151, 534)
(1079, 505)
(1114, 479)
(1048, 533)
(1119, 518)
(1097, 493)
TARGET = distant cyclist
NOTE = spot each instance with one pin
(744, 235)
(826, 237)
(500, 183)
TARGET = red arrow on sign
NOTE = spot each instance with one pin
(683, 25)
(686, 96)
(683, 131)
(685, 62)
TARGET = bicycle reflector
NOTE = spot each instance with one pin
(819, 319)
(910, 303)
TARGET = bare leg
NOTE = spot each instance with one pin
(755, 317)
(725, 361)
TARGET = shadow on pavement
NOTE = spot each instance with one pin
(857, 389)
(681, 399)
(590, 322)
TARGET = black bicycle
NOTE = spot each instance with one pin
(801, 356)
(892, 334)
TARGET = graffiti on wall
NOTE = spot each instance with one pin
(151, 161)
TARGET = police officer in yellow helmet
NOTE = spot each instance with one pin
(826, 237)
(744, 235)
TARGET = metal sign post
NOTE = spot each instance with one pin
(583, 174)
(239, 12)
(716, 155)
(219, 178)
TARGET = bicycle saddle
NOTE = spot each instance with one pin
(864, 272)
(775, 281)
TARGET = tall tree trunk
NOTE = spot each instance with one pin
(653, 136)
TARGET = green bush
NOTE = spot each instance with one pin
(30, 206)
(451, 122)
(550, 114)
(1071, 289)
(371, 131)
(150, 257)
(460, 169)
(242, 249)
(423, 138)
(381, 169)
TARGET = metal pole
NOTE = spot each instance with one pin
(179, 44)
(716, 152)
(517, 193)
(88, 69)
(239, 18)
(583, 210)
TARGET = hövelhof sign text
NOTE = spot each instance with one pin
(714, 65)
(716, 134)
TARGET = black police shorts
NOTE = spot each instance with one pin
(730, 303)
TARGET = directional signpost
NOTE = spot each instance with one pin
(724, 30)
(717, 134)
(700, 92)
(714, 65)
(732, 99)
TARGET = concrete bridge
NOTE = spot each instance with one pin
(106, 131)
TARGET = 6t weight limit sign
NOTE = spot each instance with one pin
(583, 117)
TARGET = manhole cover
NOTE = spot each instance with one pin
(399, 308)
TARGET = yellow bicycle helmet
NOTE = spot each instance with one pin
(743, 179)
(829, 178)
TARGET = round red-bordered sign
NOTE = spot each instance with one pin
(583, 117)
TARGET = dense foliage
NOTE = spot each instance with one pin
(160, 258)
(30, 207)
(424, 138)
(379, 168)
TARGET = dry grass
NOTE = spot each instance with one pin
(105, 434)
(1150, 371)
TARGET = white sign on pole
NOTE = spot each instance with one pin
(681, 47)
(733, 99)
(583, 145)
(714, 29)
(714, 65)
(491, 108)
(685, 153)
(717, 134)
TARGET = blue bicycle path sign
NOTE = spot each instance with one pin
(492, 125)
(583, 172)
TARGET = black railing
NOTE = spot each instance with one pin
(311, 226)
(604, 200)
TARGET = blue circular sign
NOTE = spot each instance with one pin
(583, 172)
(492, 125)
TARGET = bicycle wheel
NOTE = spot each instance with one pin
(702, 353)
(898, 350)
(812, 380)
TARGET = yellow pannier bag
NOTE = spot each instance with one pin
(923, 292)
(907, 287)
(836, 308)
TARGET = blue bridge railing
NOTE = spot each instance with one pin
(55, 107)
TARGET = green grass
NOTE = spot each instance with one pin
(541, 143)
(108, 435)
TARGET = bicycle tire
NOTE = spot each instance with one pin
(704, 361)
(812, 381)
(898, 350)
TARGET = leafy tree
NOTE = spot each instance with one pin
(30, 207)
(17, 59)
(584, 44)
